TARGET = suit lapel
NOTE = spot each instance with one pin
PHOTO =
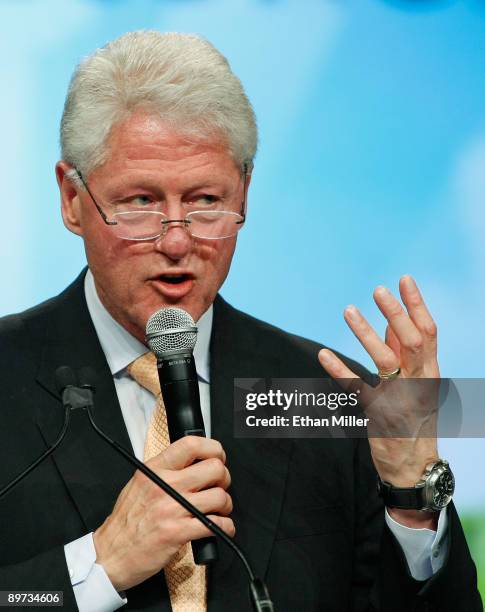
(93, 472)
(258, 467)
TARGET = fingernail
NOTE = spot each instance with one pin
(382, 290)
(324, 356)
(351, 312)
(410, 282)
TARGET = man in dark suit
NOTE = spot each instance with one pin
(158, 140)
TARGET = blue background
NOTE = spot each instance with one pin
(371, 161)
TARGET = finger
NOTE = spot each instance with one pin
(420, 315)
(393, 343)
(202, 475)
(382, 355)
(334, 366)
(215, 500)
(337, 369)
(196, 530)
(409, 337)
(185, 451)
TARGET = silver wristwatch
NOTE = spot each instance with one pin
(431, 493)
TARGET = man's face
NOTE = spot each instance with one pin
(134, 279)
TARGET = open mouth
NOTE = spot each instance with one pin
(173, 285)
(174, 279)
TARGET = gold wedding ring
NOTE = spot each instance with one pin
(389, 375)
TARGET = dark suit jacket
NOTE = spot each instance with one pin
(306, 511)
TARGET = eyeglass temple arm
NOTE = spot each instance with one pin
(98, 208)
(248, 168)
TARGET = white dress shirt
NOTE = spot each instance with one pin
(424, 549)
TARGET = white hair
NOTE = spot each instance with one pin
(180, 78)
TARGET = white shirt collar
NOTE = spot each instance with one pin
(121, 348)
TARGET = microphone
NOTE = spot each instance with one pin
(171, 334)
(64, 378)
(72, 398)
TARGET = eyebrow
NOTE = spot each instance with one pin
(119, 191)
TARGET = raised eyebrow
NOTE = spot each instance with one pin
(206, 186)
(139, 188)
(120, 192)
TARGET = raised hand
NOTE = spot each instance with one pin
(409, 351)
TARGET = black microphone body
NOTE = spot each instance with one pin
(171, 334)
(180, 391)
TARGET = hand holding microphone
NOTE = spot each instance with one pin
(146, 527)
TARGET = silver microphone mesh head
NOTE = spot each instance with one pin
(170, 330)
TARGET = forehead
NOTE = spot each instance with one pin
(146, 143)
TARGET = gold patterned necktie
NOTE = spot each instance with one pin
(186, 581)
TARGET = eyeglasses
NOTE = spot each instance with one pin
(210, 220)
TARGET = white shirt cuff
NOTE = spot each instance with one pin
(92, 587)
(425, 550)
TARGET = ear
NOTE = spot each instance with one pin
(70, 200)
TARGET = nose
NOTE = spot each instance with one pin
(176, 243)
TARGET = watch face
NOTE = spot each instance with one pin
(443, 489)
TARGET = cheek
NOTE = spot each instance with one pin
(113, 261)
(217, 256)
(102, 254)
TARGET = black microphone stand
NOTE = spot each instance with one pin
(74, 397)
